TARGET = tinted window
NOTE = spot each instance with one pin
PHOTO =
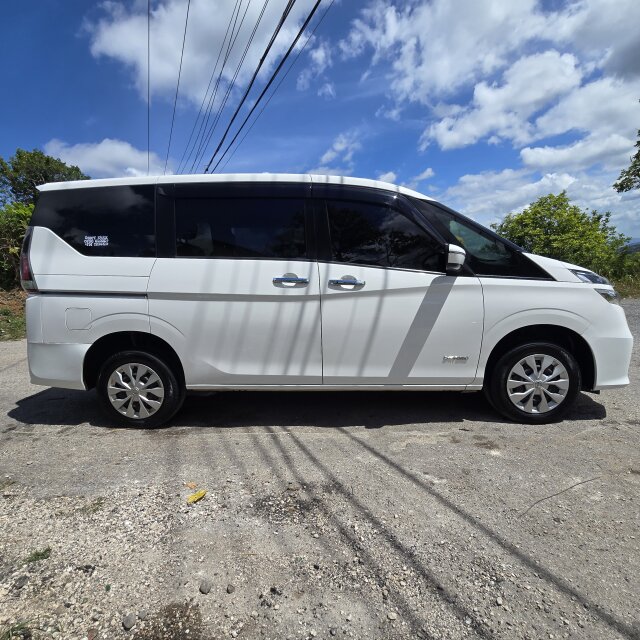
(240, 228)
(487, 254)
(102, 221)
(375, 234)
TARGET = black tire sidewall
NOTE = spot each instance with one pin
(173, 390)
(497, 392)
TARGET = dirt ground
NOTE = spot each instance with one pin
(348, 515)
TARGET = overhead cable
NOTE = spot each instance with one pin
(271, 80)
(275, 34)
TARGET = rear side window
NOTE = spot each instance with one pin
(378, 235)
(241, 228)
(101, 221)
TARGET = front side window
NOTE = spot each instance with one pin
(101, 221)
(487, 254)
(240, 228)
(378, 235)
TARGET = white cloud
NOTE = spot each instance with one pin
(528, 85)
(490, 195)
(612, 151)
(106, 159)
(121, 34)
(343, 148)
(389, 176)
(425, 175)
(327, 90)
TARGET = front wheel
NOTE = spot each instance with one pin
(535, 383)
(138, 389)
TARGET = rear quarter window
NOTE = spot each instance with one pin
(101, 221)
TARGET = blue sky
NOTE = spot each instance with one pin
(483, 104)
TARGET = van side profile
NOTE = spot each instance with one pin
(145, 288)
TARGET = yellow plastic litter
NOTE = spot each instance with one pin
(197, 496)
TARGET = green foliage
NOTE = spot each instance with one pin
(36, 556)
(554, 227)
(630, 178)
(25, 170)
(14, 220)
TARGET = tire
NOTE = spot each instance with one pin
(550, 378)
(139, 405)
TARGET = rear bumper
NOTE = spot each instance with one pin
(57, 365)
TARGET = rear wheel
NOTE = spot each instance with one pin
(535, 383)
(138, 389)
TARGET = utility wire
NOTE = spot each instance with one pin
(175, 101)
(206, 93)
(275, 34)
(148, 86)
(208, 131)
(271, 80)
(284, 77)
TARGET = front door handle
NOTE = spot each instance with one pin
(290, 280)
(343, 282)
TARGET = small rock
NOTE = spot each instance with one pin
(21, 581)
(205, 587)
(129, 621)
(142, 615)
(499, 601)
(313, 633)
(333, 631)
(392, 615)
(230, 588)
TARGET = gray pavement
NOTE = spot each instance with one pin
(366, 515)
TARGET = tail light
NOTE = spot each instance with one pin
(27, 280)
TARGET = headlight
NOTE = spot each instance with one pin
(589, 276)
(609, 295)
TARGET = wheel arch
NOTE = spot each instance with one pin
(112, 343)
(555, 334)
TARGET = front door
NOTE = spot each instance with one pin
(390, 315)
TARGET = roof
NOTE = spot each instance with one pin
(233, 177)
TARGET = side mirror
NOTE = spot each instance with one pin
(455, 259)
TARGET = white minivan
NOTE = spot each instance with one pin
(145, 288)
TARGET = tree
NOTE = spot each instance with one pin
(630, 178)
(14, 220)
(22, 173)
(553, 227)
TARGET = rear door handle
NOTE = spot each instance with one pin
(342, 282)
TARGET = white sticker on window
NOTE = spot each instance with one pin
(96, 241)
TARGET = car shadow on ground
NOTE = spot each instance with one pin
(332, 409)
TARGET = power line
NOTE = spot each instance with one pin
(148, 86)
(175, 101)
(206, 93)
(208, 131)
(284, 16)
(264, 91)
(284, 77)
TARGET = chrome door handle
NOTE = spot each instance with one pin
(290, 280)
(341, 282)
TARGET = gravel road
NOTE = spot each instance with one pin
(348, 515)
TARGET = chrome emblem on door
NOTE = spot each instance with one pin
(455, 359)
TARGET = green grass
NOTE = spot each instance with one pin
(12, 325)
(36, 556)
(628, 287)
(18, 631)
